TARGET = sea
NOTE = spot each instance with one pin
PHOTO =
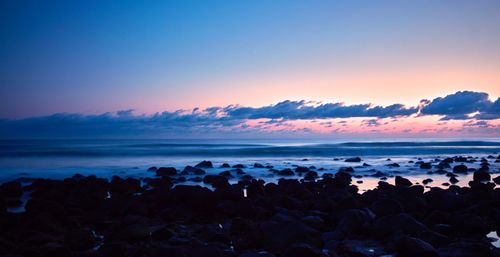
(57, 159)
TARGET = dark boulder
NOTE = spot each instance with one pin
(393, 165)
(285, 172)
(386, 207)
(481, 175)
(79, 239)
(301, 169)
(460, 169)
(258, 165)
(414, 247)
(425, 165)
(166, 171)
(497, 180)
(355, 222)
(192, 170)
(353, 159)
(402, 182)
(278, 235)
(398, 223)
(311, 175)
(302, 250)
(11, 189)
(216, 181)
(204, 164)
(225, 165)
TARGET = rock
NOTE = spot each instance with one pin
(402, 182)
(378, 174)
(204, 164)
(161, 234)
(79, 239)
(278, 236)
(425, 165)
(216, 181)
(355, 221)
(166, 171)
(414, 247)
(301, 169)
(392, 165)
(460, 169)
(497, 180)
(346, 169)
(285, 172)
(258, 165)
(257, 254)
(465, 249)
(225, 165)
(226, 173)
(453, 180)
(315, 222)
(481, 176)
(11, 189)
(153, 169)
(386, 207)
(134, 232)
(403, 223)
(302, 250)
(192, 170)
(353, 159)
(239, 166)
(311, 175)
(360, 248)
(427, 181)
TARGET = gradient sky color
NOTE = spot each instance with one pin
(91, 57)
(96, 56)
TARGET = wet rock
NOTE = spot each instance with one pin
(277, 235)
(355, 221)
(162, 234)
(414, 247)
(378, 174)
(192, 170)
(258, 165)
(313, 221)
(302, 169)
(398, 223)
(402, 182)
(11, 189)
(497, 180)
(386, 207)
(302, 250)
(166, 171)
(311, 175)
(465, 249)
(239, 166)
(353, 159)
(361, 248)
(426, 165)
(216, 181)
(285, 172)
(481, 176)
(204, 164)
(427, 181)
(134, 233)
(152, 169)
(226, 173)
(225, 165)
(454, 180)
(346, 169)
(393, 165)
(460, 169)
(79, 239)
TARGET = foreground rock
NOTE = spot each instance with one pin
(327, 217)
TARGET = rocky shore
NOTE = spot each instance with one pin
(315, 216)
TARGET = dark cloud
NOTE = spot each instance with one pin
(295, 110)
(461, 105)
(232, 118)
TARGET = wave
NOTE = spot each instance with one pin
(130, 148)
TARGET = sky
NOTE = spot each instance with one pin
(249, 68)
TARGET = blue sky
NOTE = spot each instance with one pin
(93, 57)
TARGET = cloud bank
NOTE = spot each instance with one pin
(476, 107)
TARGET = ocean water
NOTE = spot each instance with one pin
(21, 159)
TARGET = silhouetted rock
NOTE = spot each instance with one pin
(481, 175)
(204, 164)
(402, 182)
(460, 169)
(166, 171)
(353, 159)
